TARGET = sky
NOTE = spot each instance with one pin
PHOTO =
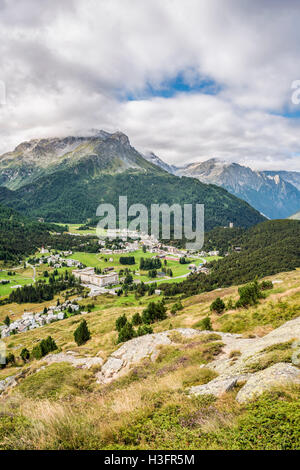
(188, 80)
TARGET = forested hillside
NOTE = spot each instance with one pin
(74, 196)
(268, 248)
(20, 235)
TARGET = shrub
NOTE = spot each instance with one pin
(175, 307)
(144, 330)
(217, 305)
(10, 359)
(43, 348)
(137, 319)
(25, 355)
(249, 294)
(121, 322)
(154, 311)
(266, 285)
(230, 305)
(205, 324)
(7, 320)
(82, 334)
(126, 333)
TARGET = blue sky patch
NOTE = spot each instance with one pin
(178, 84)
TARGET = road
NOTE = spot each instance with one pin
(34, 270)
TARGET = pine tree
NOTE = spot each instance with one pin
(82, 334)
(120, 322)
(7, 320)
(25, 355)
(217, 305)
(137, 319)
(205, 324)
(126, 333)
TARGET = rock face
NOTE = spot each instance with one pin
(135, 350)
(278, 374)
(8, 383)
(232, 372)
(41, 157)
(270, 193)
(70, 356)
(216, 387)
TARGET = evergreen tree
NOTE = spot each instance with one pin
(154, 311)
(120, 322)
(144, 330)
(82, 334)
(126, 333)
(137, 319)
(217, 305)
(25, 355)
(10, 359)
(7, 320)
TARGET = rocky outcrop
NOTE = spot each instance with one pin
(135, 350)
(276, 375)
(8, 383)
(71, 357)
(231, 371)
(216, 387)
(236, 371)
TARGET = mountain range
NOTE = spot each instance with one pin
(65, 179)
(274, 194)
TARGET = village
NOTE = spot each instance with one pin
(106, 275)
(31, 321)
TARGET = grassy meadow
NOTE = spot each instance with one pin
(62, 407)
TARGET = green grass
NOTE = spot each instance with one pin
(57, 381)
(271, 313)
(61, 407)
(18, 279)
(169, 420)
(74, 228)
(98, 260)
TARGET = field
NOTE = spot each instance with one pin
(21, 277)
(104, 260)
(61, 407)
(74, 228)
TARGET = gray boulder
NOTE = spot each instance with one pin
(135, 350)
(215, 387)
(262, 381)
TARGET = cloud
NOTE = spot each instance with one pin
(70, 66)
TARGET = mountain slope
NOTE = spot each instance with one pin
(77, 200)
(151, 157)
(292, 177)
(68, 187)
(270, 194)
(105, 153)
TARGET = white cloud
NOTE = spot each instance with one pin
(70, 65)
